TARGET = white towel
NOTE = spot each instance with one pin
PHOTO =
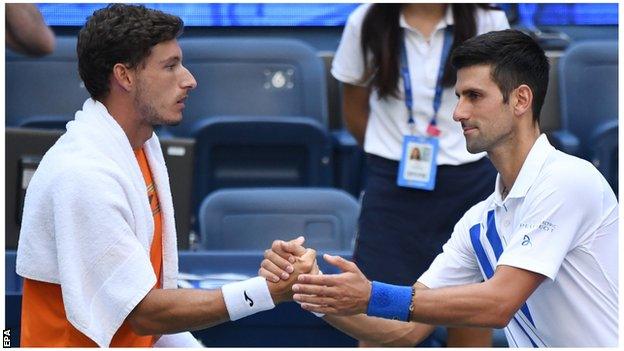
(88, 225)
(185, 340)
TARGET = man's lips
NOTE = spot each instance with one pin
(181, 101)
(468, 129)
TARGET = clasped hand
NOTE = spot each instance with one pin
(346, 293)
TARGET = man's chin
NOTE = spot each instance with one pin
(169, 122)
(474, 149)
(173, 123)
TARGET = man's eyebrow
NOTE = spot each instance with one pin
(468, 90)
(171, 59)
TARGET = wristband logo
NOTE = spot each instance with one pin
(248, 299)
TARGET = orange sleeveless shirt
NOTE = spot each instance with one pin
(44, 322)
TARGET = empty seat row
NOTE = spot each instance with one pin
(236, 77)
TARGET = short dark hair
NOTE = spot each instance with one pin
(120, 33)
(515, 59)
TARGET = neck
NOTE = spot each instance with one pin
(509, 156)
(124, 113)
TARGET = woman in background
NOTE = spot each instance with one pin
(398, 91)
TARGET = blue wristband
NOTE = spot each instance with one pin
(389, 301)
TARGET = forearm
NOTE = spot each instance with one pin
(380, 331)
(166, 311)
(473, 305)
(355, 109)
(356, 125)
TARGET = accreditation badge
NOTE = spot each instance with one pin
(418, 165)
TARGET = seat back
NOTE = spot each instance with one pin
(604, 152)
(588, 89)
(245, 151)
(252, 76)
(250, 219)
(44, 92)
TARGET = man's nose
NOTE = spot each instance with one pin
(460, 112)
(189, 81)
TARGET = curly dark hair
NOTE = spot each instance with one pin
(120, 33)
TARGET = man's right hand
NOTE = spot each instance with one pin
(286, 260)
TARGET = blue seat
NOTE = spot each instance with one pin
(12, 281)
(349, 163)
(44, 92)
(588, 85)
(250, 219)
(259, 114)
(253, 77)
(251, 151)
(604, 151)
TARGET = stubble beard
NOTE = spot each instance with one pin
(149, 112)
(485, 144)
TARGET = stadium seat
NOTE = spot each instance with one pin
(250, 219)
(588, 86)
(253, 77)
(349, 163)
(604, 151)
(251, 151)
(44, 92)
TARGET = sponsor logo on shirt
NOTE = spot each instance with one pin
(544, 226)
(526, 241)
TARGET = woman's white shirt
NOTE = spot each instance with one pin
(387, 122)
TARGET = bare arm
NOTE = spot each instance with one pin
(26, 32)
(355, 109)
(489, 304)
(384, 332)
(166, 311)
(362, 327)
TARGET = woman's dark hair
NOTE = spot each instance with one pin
(381, 35)
(120, 33)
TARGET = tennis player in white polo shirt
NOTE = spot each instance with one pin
(538, 257)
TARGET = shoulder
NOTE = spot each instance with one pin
(75, 169)
(490, 20)
(357, 16)
(570, 179)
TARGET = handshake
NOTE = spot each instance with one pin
(292, 273)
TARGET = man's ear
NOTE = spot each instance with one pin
(123, 76)
(522, 100)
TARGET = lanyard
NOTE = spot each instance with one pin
(407, 83)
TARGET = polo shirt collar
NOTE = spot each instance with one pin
(447, 20)
(531, 168)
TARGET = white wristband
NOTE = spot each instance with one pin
(247, 297)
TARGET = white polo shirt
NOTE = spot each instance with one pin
(560, 219)
(387, 122)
